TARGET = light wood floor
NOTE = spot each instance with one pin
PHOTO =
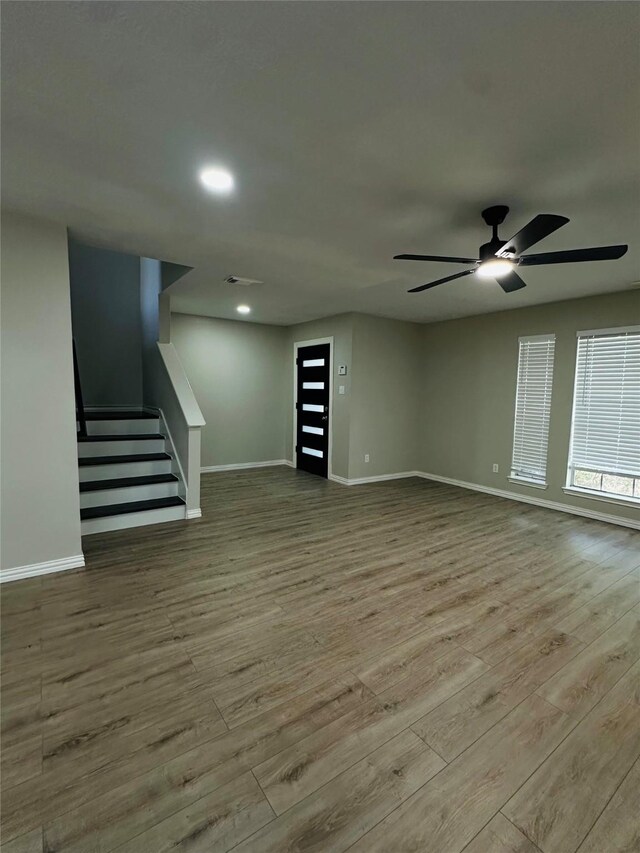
(397, 667)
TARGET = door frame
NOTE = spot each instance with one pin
(296, 346)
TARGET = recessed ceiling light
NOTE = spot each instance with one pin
(494, 268)
(217, 180)
(243, 309)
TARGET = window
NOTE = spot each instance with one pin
(604, 455)
(533, 407)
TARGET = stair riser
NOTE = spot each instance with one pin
(124, 469)
(134, 519)
(120, 448)
(128, 494)
(132, 427)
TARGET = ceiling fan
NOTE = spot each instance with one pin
(499, 259)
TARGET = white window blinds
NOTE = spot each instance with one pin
(533, 408)
(605, 431)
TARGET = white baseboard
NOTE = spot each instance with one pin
(194, 513)
(237, 466)
(359, 481)
(46, 568)
(533, 499)
(499, 493)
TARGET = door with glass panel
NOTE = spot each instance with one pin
(312, 408)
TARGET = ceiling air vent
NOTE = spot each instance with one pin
(243, 282)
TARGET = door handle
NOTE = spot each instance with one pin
(325, 417)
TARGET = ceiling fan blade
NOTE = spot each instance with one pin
(511, 282)
(442, 258)
(572, 256)
(439, 281)
(539, 227)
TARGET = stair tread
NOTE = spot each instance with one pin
(120, 415)
(126, 508)
(125, 457)
(122, 437)
(123, 482)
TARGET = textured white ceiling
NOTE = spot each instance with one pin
(355, 130)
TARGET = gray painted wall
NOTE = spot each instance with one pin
(385, 399)
(437, 398)
(378, 413)
(468, 390)
(242, 376)
(40, 504)
(105, 307)
(237, 372)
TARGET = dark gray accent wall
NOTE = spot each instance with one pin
(150, 289)
(105, 310)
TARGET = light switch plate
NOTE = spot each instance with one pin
(340, 389)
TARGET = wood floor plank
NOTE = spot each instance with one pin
(450, 810)
(593, 619)
(544, 612)
(21, 760)
(139, 672)
(75, 746)
(29, 843)
(412, 698)
(501, 836)
(295, 773)
(213, 824)
(500, 640)
(405, 660)
(21, 685)
(263, 641)
(337, 814)
(561, 801)
(617, 830)
(122, 807)
(579, 685)
(462, 719)
(28, 805)
(240, 703)
(186, 656)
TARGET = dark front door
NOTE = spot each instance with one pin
(312, 409)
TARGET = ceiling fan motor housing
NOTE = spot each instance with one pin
(488, 250)
(493, 216)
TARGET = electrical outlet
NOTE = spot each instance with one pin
(496, 467)
(366, 457)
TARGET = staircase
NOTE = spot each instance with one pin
(128, 475)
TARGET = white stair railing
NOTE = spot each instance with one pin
(171, 392)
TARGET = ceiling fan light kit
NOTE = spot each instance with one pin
(498, 259)
(494, 268)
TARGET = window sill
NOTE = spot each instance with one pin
(524, 482)
(599, 496)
